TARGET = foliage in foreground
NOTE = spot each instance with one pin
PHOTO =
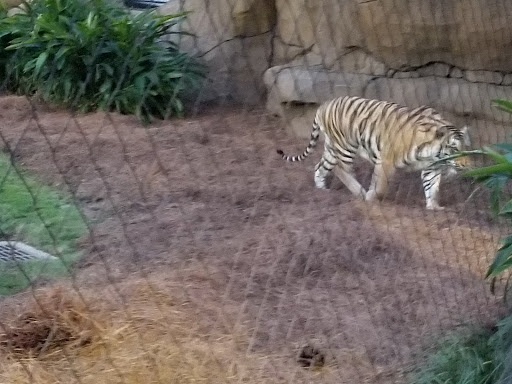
(481, 357)
(475, 358)
(94, 54)
(497, 177)
(36, 214)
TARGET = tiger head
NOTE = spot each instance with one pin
(453, 140)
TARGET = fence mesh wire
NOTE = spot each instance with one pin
(190, 252)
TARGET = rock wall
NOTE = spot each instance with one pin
(469, 34)
(455, 55)
(8, 4)
(234, 38)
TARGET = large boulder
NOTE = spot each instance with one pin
(473, 35)
(327, 28)
(314, 50)
(253, 17)
(8, 4)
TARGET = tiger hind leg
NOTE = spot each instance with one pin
(323, 170)
(431, 180)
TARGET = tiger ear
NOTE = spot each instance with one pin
(441, 132)
(465, 135)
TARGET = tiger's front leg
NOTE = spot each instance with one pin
(431, 180)
(382, 173)
(347, 177)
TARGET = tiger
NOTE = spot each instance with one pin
(391, 137)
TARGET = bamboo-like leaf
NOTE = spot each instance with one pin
(502, 260)
(497, 269)
(41, 60)
(496, 156)
(507, 208)
(497, 168)
(504, 105)
(67, 89)
(459, 154)
(140, 84)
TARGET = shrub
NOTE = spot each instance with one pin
(481, 357)
(94, 54)
(477, 357)
(497, 177)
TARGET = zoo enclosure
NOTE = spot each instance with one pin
(203, 211)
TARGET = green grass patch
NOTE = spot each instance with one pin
(41, 217)
(468, 357)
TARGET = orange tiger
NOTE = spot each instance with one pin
(388, 135)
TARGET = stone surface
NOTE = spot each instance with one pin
(241, 39)
(507, 79)
(233, 40)
(235, 75)
(14, 6)
(310, 85)
(457, 96)
(484, 132)
(8, 4)
(253, 17)
(328, 28)
(214, 22)
(358, 61)
(456, 73)
(435, 69)
(211, 24)
(474, 34)
(484, 77)
(405, 74)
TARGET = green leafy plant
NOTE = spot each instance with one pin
(481, 356)
(94, 54)
(473, 356)
(464, 359)
(496, 177)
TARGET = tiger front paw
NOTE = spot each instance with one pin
(372, 195)
(435, 207)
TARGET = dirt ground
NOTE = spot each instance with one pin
(204, 210)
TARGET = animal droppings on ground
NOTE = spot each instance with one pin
(311, 357)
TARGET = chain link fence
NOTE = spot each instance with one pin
(188, 251)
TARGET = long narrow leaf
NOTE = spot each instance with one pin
(507, 208)
(503, 257)
(496, 156)
(504, 105)
(504, 167)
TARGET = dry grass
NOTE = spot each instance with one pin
(55, 321)
(151, 341)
